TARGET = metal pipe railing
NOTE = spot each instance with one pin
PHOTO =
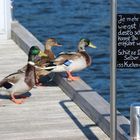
(135, 121)
(113, 118)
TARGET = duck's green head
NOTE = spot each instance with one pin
(85, 43)
(33, 52)
(35, 56)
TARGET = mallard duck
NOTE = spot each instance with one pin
(50, 42)
(72, 61)
(21, 82)
(48, 55)
(43, 58)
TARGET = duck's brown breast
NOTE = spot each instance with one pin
(87, 58)
(50, 54)
(30, 76)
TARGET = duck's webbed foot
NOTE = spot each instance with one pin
(72, 78)
(16, 101)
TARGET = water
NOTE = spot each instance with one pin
(70, 20)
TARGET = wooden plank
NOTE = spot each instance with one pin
(97, 108)
(83, 95)
(24, 38)
(47, 114)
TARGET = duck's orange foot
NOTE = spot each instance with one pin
(73, 78)
(18, 101)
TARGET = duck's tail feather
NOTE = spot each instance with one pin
(55, 68)
(7, 85)
(4, 83)
(59, 68)
(52, 67)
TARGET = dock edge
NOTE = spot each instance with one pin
(95, 106)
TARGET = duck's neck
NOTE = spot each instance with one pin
(48, 51)
(48, 47)
(81, 51)
(30, 75)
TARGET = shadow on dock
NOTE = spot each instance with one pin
(85, 129)
(25, 95)
(47, 80)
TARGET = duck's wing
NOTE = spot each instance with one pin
(23, 69)
(66, 56)
(11, 79)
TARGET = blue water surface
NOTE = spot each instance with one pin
(70, 20)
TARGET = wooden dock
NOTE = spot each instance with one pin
(48, 114)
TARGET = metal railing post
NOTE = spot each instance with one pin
(135, 121)
(113, 118)
(5, 23)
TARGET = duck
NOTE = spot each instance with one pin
(72, 61)
(20, 82)
(50, 42)
(44, 57)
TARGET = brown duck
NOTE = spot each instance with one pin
(51, 42)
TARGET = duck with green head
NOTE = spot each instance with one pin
(73, 61)
(21, 82)
(44, 57)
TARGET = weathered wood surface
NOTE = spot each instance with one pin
(48, 114)
(83, 95)
(23, 37)
(95, 106)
